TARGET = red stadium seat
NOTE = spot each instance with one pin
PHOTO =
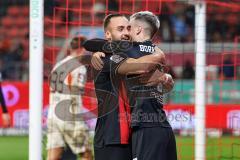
(14, 11)
(21, 22)
(47, 24)
(2, 30)
(25, 11)
(232, 19)
(7, 22)
(58, 32)
(61, 32)
(13, 32)
(23, 32)
(48, 32)
(50, 53)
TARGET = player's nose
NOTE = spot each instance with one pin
(126, 37)
(126, 31)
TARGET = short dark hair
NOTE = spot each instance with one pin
(148, 17)
(108, 18)
(77, 42)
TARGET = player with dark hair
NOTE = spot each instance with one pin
(5, 116)
(77, 43)
(63, 132)
(117, 119)
(111, 140)
(147, 101)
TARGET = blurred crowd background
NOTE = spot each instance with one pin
(177, 27)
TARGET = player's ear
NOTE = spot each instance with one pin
(108, 35)
(138, 31)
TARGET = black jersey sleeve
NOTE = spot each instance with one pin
(2, 100)
(102, 45)
(115, 62)
(94, 45)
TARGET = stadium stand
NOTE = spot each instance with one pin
(177, 25)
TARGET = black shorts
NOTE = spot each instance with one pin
(113, 152)
(154, 143)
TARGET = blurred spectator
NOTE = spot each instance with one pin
(226, 71)
(11, 59)
(98, 10)
(170, 69)
(1, 67)
(66, 16)
(189, 13)
(177, 24)
(49, 6)
(179, 27)
(188, 70)
(5, 115)
(190, 37)
(216, 37)
(220, 27)
(5, 45)
(216, 28)
(230, 35)
(212, 72)
(172, 72)
(113, 5)
(166, 32)
(58, 136)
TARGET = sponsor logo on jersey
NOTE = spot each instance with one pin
(116, 58)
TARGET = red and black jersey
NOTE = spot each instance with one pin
(146, 101)
(113, 126)
(118, 96)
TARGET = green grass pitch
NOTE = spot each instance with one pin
(224, 148)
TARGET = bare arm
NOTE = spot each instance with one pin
(96, 60)
(158, 78)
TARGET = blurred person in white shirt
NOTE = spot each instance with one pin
(64, 132)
